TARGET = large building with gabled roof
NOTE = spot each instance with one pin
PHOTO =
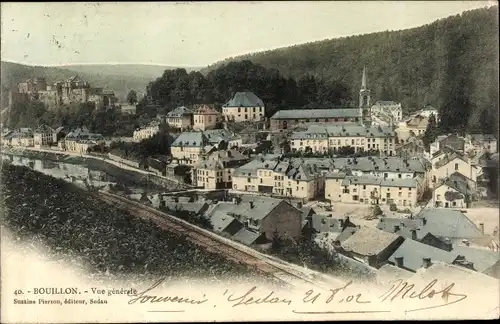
(244, 106)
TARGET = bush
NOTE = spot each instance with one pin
(376, 211)
(393, 207)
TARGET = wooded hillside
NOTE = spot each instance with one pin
(443, 63)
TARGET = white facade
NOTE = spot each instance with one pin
(386, 111)
(146, 132)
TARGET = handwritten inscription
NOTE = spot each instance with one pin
(403, 289)
(143, 297)
(400, 290)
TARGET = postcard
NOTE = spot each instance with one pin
(249, 161)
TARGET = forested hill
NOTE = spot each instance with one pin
(418, 66)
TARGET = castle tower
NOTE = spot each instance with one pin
(364, 97)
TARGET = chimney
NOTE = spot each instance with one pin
(424, 221)
(481, 227)
(396, 228)
(414, 234)
(426, 262)
(299, 205)
(251, 204)
(399, 262)
(341, 222)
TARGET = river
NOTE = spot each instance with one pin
(72, 173)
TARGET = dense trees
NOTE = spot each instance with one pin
(431, 132)
(132, 97)
(451, 64)
(177, 87)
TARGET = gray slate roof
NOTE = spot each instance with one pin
(179, 112)
(459, 182)
(244, 99)
(246, 236)
(220, 221)
(215, 136)
(368, 241)
(262, 207)
(481, 258)
(191, 139)
(413, 253)
(317, 113)
(321, 132)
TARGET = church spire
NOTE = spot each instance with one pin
(363, 81)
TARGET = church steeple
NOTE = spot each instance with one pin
(364, 99)
(364, 93)
(363, 81)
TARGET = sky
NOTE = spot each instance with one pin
(195, 33)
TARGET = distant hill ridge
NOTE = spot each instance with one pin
(121, 78)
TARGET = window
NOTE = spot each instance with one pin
(409, 195)
(400, 194)
(297, 188)
(438, 197)
(229, 178)
(364, 186)
(456, 166)
(388, 195)
(249, 180)
(261, 181)
(399, 175)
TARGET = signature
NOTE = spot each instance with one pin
(143, 297)
(402, 289)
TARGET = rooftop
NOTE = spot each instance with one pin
(191, 139)
(317, 113)
(244, 99)
(368, 241)
(413, 253)
(179, 112)
(260, 208)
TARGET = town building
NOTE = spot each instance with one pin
(21, 137)
(414, 147)
(452, 141)
(449, 225)
(371, 246)
(189, 146)
(330, 139)
(223, 137)
(205, 117)
(263, 215)
(288, 119)
(80, 140)
(292, 178)
(372, 190)
(414, 126)
(454, 162)
(72, 90)
(386, 113)
(244, 106)
(480, 143)
(455, 191)
(216, 170)
(147, 131)
(180, 117)
(428, 111)
(44, 136)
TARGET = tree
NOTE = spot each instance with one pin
(431, 132)
(132, 97)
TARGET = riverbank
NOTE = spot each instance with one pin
(120, 171)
